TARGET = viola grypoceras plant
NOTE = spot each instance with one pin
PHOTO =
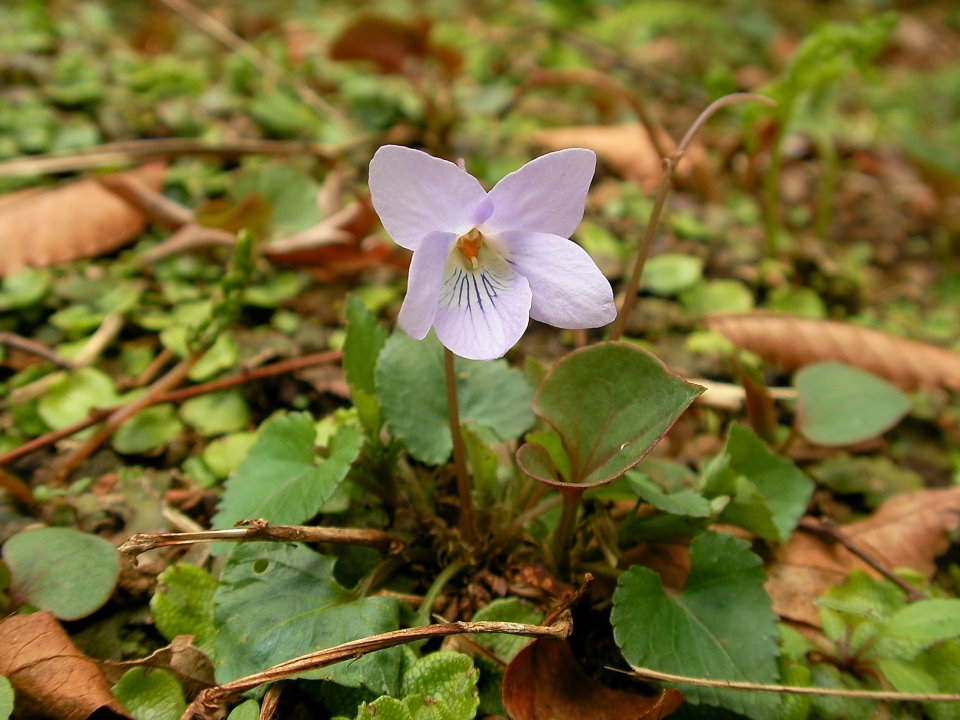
(485, 262)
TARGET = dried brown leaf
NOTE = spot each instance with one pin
(79, 220)
(909, 530)
(792, 342)
(50, 677)
(627, 148)
(545, 682)
(384, 41)
(190, 666)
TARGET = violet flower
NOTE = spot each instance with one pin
(483, 263)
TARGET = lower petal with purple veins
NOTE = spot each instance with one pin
(424, 282)
(482, 312)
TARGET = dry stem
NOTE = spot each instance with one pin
(32, 347)
(261, 530)
(669, 166)
(833, 532)
(206, 703)
(176, 396)
(645, 674)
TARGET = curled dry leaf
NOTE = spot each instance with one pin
(545, 682)
(792, 342)
(50, 677)
(627, 148)
(909, 530)
(190, 666)
(41, 227)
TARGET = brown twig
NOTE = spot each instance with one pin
(151, 371)
(646, 674)
(99, 414)
(18, 488)
(669, 166)
(207, 702)
(13, 340)
(128, 152)
(158, 208)
(262, 531)
(568, 601)
(467, 527)
(174, 377)
(270, 702)
(828, 529)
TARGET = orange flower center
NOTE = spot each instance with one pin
(469, 247)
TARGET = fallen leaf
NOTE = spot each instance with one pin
(628, 149)
(190, 666)
(545, 682)
(384, 41)
(41, 227)
(50, 677)
(909, 530)
(792, 342)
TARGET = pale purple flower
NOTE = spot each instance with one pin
(483, 263)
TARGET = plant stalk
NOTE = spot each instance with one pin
(669, 166)
(467, 527)
(563, 534)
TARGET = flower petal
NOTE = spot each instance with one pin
(423, 284)
(569, 291)
(415, 193)
(481, 313)
(546, 195)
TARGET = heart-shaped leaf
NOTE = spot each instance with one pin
(413, 397)
(610, 403)
(282, 480)
(65, 571)
(841, 405)
(719, 626)
(276, 602)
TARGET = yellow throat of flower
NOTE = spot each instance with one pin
(469, 247)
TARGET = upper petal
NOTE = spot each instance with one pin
(546, 195)
(423, 284)
(569, 291)
(415, 193)
(482, 313)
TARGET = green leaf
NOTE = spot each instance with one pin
(916, 627)
(281, 479)
(441, 685)
(150, 694)
(825, 675)
(247, 710)
(483, 465)
(942, 663)
(412, 392)
(221, 356)
(291, 193)
(149, 429)
(703, 630)
(276, 290)
(684, 502)
(907, 677)
(841, 405)
(224, 455)
(23, 289)
(610, 403)
(216, 413)
(877, 478)
(717, 296)
(73, 395)
(784, 489)
(65, 571)
(276, 602)
(183, 605)
(671, 273)
(361, 348)
(6, 698)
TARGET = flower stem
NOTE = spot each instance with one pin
(563, 534)
(669, 166)
(467, 527)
